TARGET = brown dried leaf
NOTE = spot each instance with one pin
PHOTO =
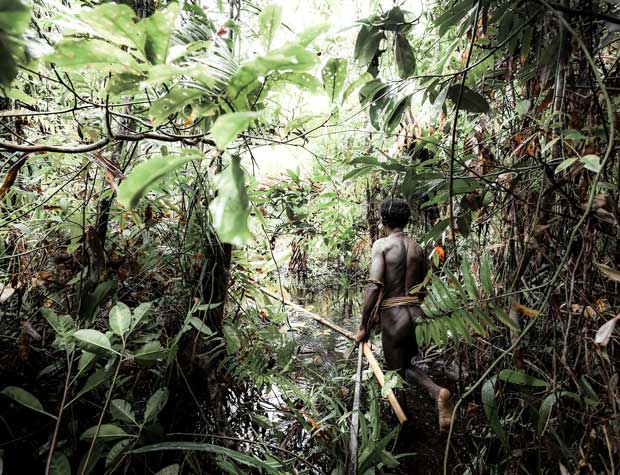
(523, 310)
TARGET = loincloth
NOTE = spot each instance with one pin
(403, 301)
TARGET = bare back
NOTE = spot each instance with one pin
(404, 264)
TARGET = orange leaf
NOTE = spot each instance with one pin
(523, 310)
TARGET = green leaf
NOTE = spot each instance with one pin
(358, 172)
(303, 80)
(173, 469)
(121, 410)
(93, 341)
(139, 312)
(519, 377)
(289, 58)
(120, 318)
(176, 99)
(503, 317)
(228, 126)
(489, 406)
(269, 21)
(144, 175)
(308, 35)
(91, 53)
(63, 327)
(523, 107)
(155, 404)
(565, 164)
(372, 90)
(115, 452)
(395, 113)
(198, 324)
(25, 398)
(158, 29)
(15, 16)
(106, 431)
(117, 23)
(150, 351)
(471, 101)
(355, 85)
(591, 162)
(468, 279)
(405, 59)
(231, 207)
(94, 380)
(367, 44)
(334, 74)
(240, 457)
(59, 464)
(485, 275)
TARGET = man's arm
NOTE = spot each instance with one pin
(372, 290)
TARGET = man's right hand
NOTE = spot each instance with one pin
(362, 335)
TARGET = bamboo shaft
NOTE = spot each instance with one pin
(372, 362)
(367, 348)
(355, 416)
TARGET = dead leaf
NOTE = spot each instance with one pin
(29, 330)
(604, 333)
(7, 292)
(563, 470)
(608, 272)
(523, 310)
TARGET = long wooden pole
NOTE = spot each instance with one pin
(355, 416)
(367, 348)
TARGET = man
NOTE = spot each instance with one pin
(398, 264)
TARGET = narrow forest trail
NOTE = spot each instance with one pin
(420, 446)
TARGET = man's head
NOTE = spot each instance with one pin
(395, 212)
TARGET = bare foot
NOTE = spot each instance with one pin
(444, 408)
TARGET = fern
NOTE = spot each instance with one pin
(455, 309)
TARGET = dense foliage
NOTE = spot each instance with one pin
(164, 161)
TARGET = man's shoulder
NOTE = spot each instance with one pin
(379, 244)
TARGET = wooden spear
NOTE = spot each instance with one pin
(367, 348)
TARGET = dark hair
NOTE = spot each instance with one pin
(395, 212)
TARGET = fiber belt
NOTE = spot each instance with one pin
(403, 301)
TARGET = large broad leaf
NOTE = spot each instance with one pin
(174, 101)
(519, 377)
(151, 351)
(120, 318)
(231, 208)
(106, 431)
(116, 451)
(93, 341)
(367, 44)
(604, 333)
(403, 53)
(155, 404)
(143, 176)
(334, 74)
(228, 126)
(268, 22)
(289, 58)
(25, 399)
(158, 28)
(246, 459)
(93, 53)
(63, 327)
(394, 114)
(471, 101)
(309, 34)
(303, 80)
(117, 23)
(139, 312)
